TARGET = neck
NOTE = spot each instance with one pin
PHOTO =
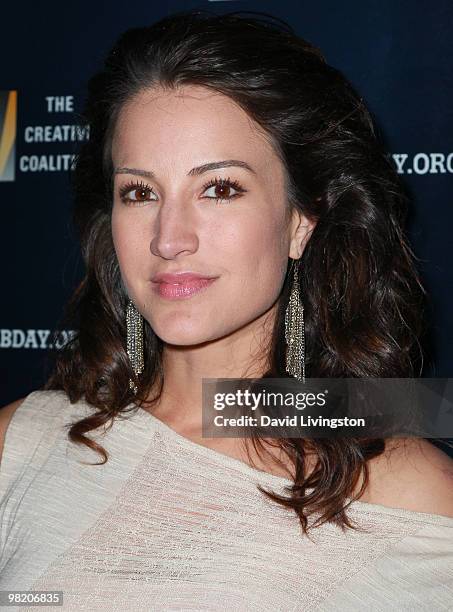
(242, 354)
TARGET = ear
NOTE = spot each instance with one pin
(300, 233)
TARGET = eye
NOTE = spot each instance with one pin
(136, 192)
(220, 189)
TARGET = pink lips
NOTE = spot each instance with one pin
(180, 286)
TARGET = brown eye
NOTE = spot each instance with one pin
(223, 190)
(137, 192)
(141, 194)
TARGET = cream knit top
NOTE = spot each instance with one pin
(169, 524)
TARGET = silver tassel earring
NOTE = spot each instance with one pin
(295, 331)
(134, 343)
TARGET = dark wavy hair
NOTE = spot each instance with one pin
(363, 298)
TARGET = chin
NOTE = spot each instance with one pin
(180, 336)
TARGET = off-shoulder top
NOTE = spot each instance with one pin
(169, 524)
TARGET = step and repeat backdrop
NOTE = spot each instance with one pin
(398, 54)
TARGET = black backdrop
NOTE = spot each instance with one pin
(397, 53)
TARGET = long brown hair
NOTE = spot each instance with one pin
(363, 299)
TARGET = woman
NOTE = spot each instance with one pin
(229, 172)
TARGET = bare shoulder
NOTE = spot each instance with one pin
(6, 414)
(412, 474)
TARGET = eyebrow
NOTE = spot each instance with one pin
(226, 163)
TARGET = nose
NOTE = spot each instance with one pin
(174, 231)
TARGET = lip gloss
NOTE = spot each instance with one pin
(182, 290)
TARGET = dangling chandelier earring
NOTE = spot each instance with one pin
(295, 331)
(134, 342)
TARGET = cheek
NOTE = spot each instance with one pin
(130, 245)
(259, 251)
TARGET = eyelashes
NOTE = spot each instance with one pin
(135, 186)
(146, 193)
(222, 183)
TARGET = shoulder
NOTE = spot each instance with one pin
(31, 418)
(6, 414)
(412, 474)
(31, 430)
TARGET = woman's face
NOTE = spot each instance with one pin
(175, 212)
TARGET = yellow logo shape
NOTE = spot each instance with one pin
(8, 135)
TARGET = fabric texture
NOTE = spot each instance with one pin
(168, 524)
